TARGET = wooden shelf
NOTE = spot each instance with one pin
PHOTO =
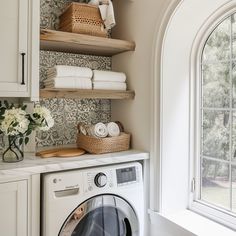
(53, 40)
(84, 93)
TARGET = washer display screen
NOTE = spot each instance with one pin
(125, 175)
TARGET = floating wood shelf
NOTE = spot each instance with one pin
(84, 93)
(53, 40)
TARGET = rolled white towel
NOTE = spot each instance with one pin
(74, 71)
(109, 86)
(113, 129)
(98, 130)
(110, 76)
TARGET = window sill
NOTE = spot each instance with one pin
(194, 223)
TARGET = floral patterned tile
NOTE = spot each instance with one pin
(67, 113)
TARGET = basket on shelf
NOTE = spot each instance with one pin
(104, 145)
(82, 18)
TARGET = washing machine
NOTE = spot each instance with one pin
(102, 201)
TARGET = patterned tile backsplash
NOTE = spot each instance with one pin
(68, 112)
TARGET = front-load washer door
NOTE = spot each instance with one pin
(103, 215)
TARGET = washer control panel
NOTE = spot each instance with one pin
(100, 180)
(126, 175)
(109, 177)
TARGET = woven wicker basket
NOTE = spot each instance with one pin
(104, 145)
(83, 19)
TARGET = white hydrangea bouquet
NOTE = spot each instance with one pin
(16, 125)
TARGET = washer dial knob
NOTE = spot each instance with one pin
(100, 180)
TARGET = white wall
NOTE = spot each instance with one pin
(137, 21)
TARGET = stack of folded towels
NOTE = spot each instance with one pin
(109, 80)
(75, 77)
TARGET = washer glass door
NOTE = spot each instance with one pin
(104, 215)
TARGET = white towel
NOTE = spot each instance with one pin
(99, 130)
(94, 2)
(103, 11)
(68, 82)
(111, 76)
(113, 129)
(109, 85)
(74, 71)
(107, 12)
(110, 21)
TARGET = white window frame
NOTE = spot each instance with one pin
(215, 213)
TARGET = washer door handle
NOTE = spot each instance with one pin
(128, 227)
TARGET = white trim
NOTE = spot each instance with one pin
(34, 35)
(156, 90)
(188, 223)
(216, 214)
(200, 207)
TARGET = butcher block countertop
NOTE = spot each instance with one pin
(35, 165)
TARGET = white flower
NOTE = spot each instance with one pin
(15, 122)
(43, 118)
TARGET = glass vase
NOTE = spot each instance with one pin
(13, 149)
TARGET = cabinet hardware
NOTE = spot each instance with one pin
(23, 68)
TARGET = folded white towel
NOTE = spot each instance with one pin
(109, 85)
(107, 12)
(111, 76)
(76, 71)
(94, 2)
(99, 130)
(113, 129)
(103, 11)
(68, 82)
(110, 21)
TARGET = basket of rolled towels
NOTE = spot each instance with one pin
(76, 77)
(103, 137)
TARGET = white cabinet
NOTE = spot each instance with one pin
(14, 208)
(19, 46)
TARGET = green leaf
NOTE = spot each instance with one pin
(15, 124)
(35, 115)
(24, 107)
(26, 140)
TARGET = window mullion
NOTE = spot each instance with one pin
(231, 111)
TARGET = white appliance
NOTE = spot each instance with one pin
(102, 201)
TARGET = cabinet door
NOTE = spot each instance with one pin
(13, 205)
(13, 45)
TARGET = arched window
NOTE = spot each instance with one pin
(217, 139)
